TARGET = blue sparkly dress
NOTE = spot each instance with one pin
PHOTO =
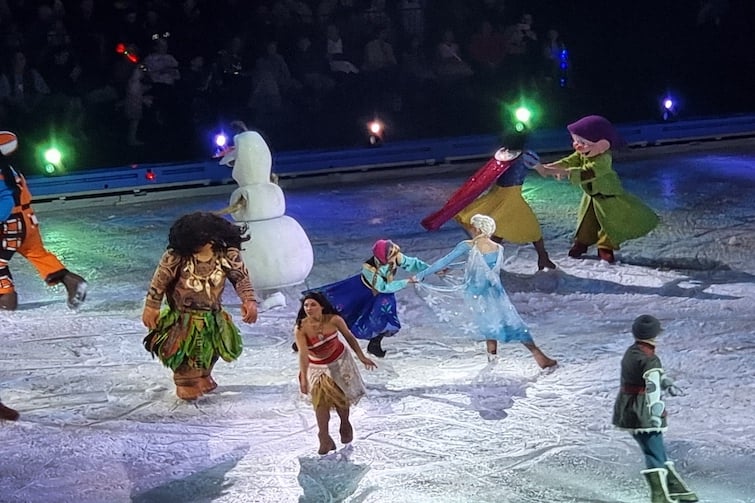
(366, 301)
(474, 301)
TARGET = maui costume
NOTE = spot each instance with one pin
(193, 331)
(476, 304)
(334, 379)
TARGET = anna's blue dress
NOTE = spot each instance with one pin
(475, 303)
(366, 301)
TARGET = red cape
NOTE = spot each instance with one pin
(472, 188)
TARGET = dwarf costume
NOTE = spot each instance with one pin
(19, 232)
(194, 330)
(608, 215)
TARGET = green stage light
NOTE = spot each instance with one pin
(53, 156)
(523, 114)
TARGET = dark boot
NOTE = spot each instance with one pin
(606, 254)
(656, 478)
(7, 413)
(8, 301)
(578, 249)
(76, 288)
(374, 347)
(676, 486)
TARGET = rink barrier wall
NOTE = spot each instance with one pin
(150, 181)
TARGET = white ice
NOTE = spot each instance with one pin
(100, 421)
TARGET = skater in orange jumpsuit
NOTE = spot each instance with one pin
(19, 232)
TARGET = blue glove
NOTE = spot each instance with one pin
(656, 421)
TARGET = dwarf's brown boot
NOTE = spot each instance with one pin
(578, 249)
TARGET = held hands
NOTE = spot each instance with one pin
(150, 316)
(249, 311)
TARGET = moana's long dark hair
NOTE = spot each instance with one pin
(192, 231)
(327, 307)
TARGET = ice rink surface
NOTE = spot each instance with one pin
(100, 421)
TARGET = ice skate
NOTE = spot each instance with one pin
(8, 301)
(76, 287)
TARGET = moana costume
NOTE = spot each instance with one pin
(333, 376)
(194, 330)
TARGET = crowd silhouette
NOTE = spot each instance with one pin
(151, 80)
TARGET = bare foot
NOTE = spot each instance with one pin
(347, 432)
(327, 444)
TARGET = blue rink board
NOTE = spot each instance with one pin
(291, 164)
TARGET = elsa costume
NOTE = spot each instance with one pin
(474, 301)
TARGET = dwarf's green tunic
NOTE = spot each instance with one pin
(621, 215)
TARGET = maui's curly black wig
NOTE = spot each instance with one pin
(193, 231)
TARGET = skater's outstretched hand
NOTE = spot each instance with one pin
(368, 364)
(249, 311)
(150, 316)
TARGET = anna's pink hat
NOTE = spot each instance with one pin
(384, 249)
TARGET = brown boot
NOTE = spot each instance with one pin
(189, 382)
(578, 249)
(207, 383)
(7, 413)
(8, 301)
(606, 254)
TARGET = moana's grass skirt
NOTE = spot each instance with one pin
(197, 338)
(337, 384)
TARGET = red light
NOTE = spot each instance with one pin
(150, 175)
(120, 48)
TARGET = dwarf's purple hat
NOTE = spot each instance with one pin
(384, 249)
(595, 128)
